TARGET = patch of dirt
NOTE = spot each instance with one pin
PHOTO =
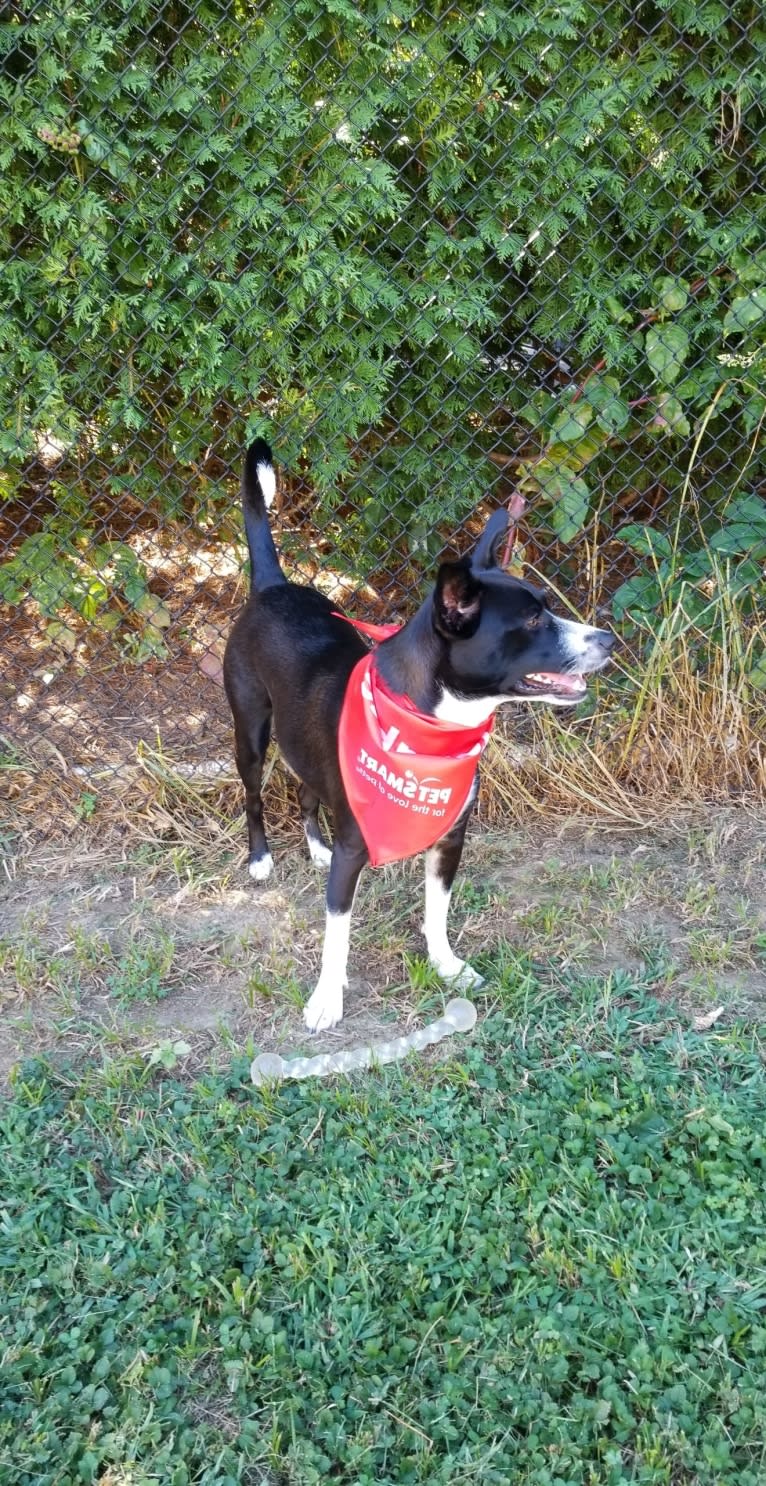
(103, 947)
(685, 902)
(108, 942)
(91, 710)
(91, 704)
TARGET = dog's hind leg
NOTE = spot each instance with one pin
(251, 742)
(324, 1008)
(442, 862)
(319, 851)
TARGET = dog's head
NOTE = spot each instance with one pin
(504, 642)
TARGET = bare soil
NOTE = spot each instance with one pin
(108, 941)
(91, 705)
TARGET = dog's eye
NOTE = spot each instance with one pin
(535, 620)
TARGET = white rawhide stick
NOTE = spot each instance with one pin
(459, 1016)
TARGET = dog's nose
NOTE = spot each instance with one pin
(607, 640)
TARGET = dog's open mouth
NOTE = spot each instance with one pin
(569, 686)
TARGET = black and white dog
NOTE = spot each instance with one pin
(481, 638)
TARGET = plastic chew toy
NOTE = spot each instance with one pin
(459, 1016)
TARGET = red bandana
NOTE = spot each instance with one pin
(407, 776)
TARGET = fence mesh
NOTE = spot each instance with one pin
(435, 254)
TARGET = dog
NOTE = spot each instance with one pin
(481, 638)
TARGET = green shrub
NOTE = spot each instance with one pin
(373, 234)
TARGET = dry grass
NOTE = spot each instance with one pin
(666, 736)
(677, 734)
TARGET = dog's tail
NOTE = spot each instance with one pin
(259, 487)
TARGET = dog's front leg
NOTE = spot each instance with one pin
(325, 1007)
(442, 862)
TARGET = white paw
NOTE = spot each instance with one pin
(320, 854)
(459, 973)
(261, 869)
(324, 1009)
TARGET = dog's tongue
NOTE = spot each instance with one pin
(573, 682)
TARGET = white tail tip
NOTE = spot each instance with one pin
(267, 481)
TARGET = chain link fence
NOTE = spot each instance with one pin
(435, 254)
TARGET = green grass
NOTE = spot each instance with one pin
(540, 1263)
(141, 971)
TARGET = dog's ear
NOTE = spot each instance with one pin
(485, 553)
(457, 601)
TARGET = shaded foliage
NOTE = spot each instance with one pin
(396, 239)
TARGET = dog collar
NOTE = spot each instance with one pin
(407, 776)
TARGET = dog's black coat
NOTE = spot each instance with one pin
(477, 636)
